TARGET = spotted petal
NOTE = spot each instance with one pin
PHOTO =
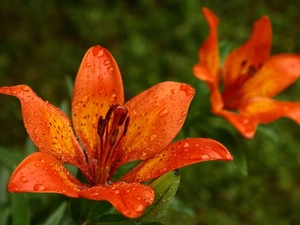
(279, 72)
(40, 172)
(242, 63)
(157, 115)
(130, 199)
(98, 85)
(177, 155)
(48, 127)
(266, 110)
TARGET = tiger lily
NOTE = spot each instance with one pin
(250, 77)
(110, 134)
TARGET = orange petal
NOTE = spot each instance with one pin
(157, 115)
(130, 199)
(97, 86)
(48, 127)
(242, 63)
(279, 72)
(209, 60)
(177, 155)
(40, 172)
(244, 123)
(266, 110)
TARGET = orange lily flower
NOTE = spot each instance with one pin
(111, 134)
(250, 77)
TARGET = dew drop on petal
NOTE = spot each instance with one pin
(155, 96)
(116, 192)
(180, 121)
(23, 179)
(36, 131)
(25, 88)
(39, 187)
(187, 89)
(88, 64)
(133, 112)
(28, 120)
(155, 103)
(110, 70)
(85, 98)
(37, 164)
(163, 112)
(174, 91)
(36, 114)
(42, 161)
(139, 208)
(183, 113)
(113, 97)
(106, 63)
(153, 137)
(143, 155)
(98, 52)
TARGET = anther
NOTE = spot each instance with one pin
(114, 137)
(109, 112)
(126, 125)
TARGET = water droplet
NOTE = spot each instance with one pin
(163, 112)
(180, 121)
(116, 192)
(23, 179)
(113, 97)
(174, 91)
(28, 120)
(155, 96)
(85, 98)
(189, 91)
(186, 145)
(37, 164)
(36, 131)
(106, 63)
(143, 155)
(42, 161)
(98, 51)
(39, 187)
(36, 114)
(155, 103)
(100, 78)
(25, 88)
(45, 168)
(93, 70)
(110, 70)
(139, 208)
(183, 113)
(133, 112)
(88, 64)
(153, 137)
(37, 139)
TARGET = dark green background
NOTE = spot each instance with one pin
(42, 43)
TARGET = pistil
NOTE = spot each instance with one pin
(110, 140)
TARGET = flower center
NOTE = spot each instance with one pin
(111, 130)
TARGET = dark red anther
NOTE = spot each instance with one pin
(126, 125)
(109, 112)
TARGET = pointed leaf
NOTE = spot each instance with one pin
(20, 210)
(56, 217)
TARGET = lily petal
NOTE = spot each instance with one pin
(244, 123)
(209, 59)
(40, 172)
(48, 127)
(157, 115)
(98, 85)
(279, 72)
(266, 110)
(130, 199)
(177, 155)
(242, 63)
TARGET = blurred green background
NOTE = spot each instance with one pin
(42, 44)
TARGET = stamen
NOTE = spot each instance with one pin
(114, 137)
(126, 125)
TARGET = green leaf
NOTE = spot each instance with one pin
(83, 210)
(20, 210)
(165, 188)
(56, 217)
(10, 158)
